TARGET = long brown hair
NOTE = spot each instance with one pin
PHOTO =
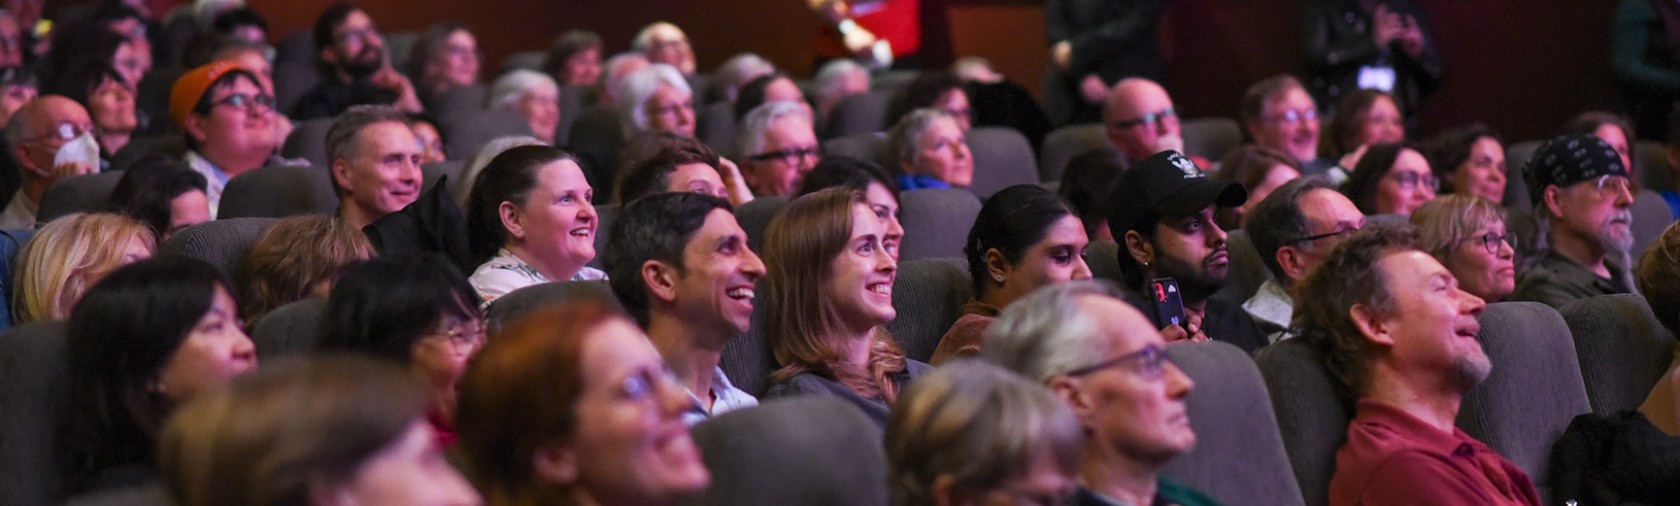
(800, 323)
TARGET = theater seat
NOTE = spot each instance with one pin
(1247, 270)
(747, 358)
(454, 102)
(1623, 350)
(308, 141)
(1210, 138)
(220, 243)
(34, 403)
(715, 127)
(573, 99)
(1652, 164)
(172, 145)
(465, 133)
(929, 294)
(437, 170)
(1002, 158)
(936, 222)
(1651, 216)
(811, 451)
(291, 329)
(524, 60)
(277, 192)
(1311, 418)
(868, 146)
(596, 139)
(149, 495)
(1535, 388)
(857, 114)
(80, 194)
(1066, 143)
(1516, 185)
(754, 218)
(525, 300)
(1239, 456)
(605, 215)
(1104, 259)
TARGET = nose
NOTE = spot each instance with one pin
(1081, 269)
(1179, 385)
(243, 348)
(753, 267)
(586, 211)
(1216, 234)
(1624, 196)
(1471, 304)
(457, 492)
(884, 261)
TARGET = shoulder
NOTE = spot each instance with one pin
(590, 274)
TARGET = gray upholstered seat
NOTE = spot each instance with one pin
(1310, 416)
(172, 145)
(291, 329)
(220, 243)
(524, 60)
(1065, 143)
(929, 294)
(1247, 271)
(605, 215)
(811, 451)
(456, 102)
(80, 194)
(868, 146)
(466, 132)
(596, 139)
(857, 114)
(149, 495)
(1623, 350)
(573, 99)
(1516, 186)
(523, 301)
(34, 402)
(1210, 137)
(279, 191)
(747, 358)
(715, 126)
(936, 222)
(1651, 216)
(1104, 259)
(1652, 164)
(308, 141)
(755, 217)
(432, 172)
(1239, 456)
(1002, 158)
(1535, 388)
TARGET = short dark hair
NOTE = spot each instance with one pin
(149, 185)
(655, 227)
(1011, 222)
(341, 136)
(1144, 220)
(1349, 276)
(1350, 121)
(921, 93)
(1255, 98)
(849, 172)
(509, 177)
(1361, 188)
(751, 94)
(1277, 220)
(381, 307)
(79, 83)
(567, 44)
(1451, 148)
(653, 175)
(1087, 183)
(328, 22)
(226, 22)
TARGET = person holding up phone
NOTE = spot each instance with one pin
(1163, 218)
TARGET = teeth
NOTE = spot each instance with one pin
(883, 289)
(740, 293)
(581, 233)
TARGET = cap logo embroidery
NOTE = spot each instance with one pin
(1184, 165)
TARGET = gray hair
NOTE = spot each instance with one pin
(1541, 244)
(644, 38)
(1045, 334)
(833, 72)
(609, 77)
(638, 87)
(902, 139)
(512, 86)
(749, 139)
(341, 135)
(461, 187)
(739, 70)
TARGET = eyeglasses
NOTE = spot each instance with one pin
(1296, 116)
(357, 33)
(1336, 233)
(65, 131)
(1156, 118)
(1610, 186)
(462, 338)
(246, 101)
(641, 385)
(1409, 181)
(1150, 360)
(1492, 241)
(790, 155)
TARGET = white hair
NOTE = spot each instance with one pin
(739, 70)
(462, 187)
(207, 10)
(1045, 333)
(904, 137)
(638, 87)
(512, 86)
(749, 139)
(834, 72)
(644, 38)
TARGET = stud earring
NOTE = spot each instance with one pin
(998, 277)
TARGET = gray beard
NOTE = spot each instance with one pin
(1468, 372)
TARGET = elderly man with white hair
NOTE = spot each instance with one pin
(777, 147)
(837, 80)
(533, 95)
(736, 72)
(613, 72)
(656, 99)
(663, 42)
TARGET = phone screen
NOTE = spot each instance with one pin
(1167, 301)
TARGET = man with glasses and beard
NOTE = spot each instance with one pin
(353, 67)
(1398, 339)
(1163, 218)
(1584, 225)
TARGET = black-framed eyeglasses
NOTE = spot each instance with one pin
(640, 386)
(1492, 241)
(245, 101)
(789, 155)
(1150, 361)
(1336, 233)
(1154, 118)
(1409, 181)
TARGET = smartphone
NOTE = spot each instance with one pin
(1167, 302)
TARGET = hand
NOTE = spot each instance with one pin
(1093, 89)
(1386, 26)
(407, 99)
(1191, 331)
(1411, 38)
(1062, 54)
(1352, 158)
(64, 171)
(734, 183)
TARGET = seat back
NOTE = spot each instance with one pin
(1516, 186)
(523, 60)
(1311, 418)
(936, 222)
(1103, 257)
(1247, 271)
(220, 243)
(868, 146)
(1653, 166)
(747, 359)
(80, 194)
(1623, 350)
(523, 301)
(929, 294)
(858, 114)
(1651, 216)
(432, 172)
(466, 132)
(149, 495)
(1065, 143)
(605, 215)
(1002, 158)
(456, 102)
(573, 100)
(291, 329)
(1535, 388)
(34, 403)
(279, 191)
(308, 141)
(1239, 456)
(715, 126)
(595, 139)
(1210, 137)
(754, 218)
(813, 451)
(172, 145)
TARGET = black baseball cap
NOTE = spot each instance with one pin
(1167, 184)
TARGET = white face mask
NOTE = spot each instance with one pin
(82, 149)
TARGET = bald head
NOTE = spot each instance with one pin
(1140, 119)
(31, 124)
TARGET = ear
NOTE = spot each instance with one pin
(1289, 258)
(944, 491)
(996, 267)
(555, 463)
(329, 55)
(1552, 196)
(341, 174)
(1067, 388)
(511, 219)
(21, 151)
(194, 125)
(661, 280)
(1140, 249)
(1372, 325)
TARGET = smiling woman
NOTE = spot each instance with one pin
(530, 220)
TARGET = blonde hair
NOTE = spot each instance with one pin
(1449, 219)
(69, 255)
(292, 257)
(800, 323)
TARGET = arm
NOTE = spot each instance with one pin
(1327, 46)
(1136, 26)
(1630, 34)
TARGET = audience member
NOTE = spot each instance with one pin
(1293, 233)
(1399, 341)
(835, 81)
(18, 86)
(1278, 114)
(1583, 225)
(573, 405)
(163, 193)
(682, 165)
(1139, 120)
(1094, 44)
(52, 139)
(229, 122)
(294, 259)
(1260, 171)
(444, 57)
(575, 59)
(431, 140)
(1658, 275)
(110, 104)
(375, 163)
(1086, 184)
(1352, 45)
(973, 433)
(80, 48)
(353, 67)
(1468, 235)
(416, 312)
(664, 43)
(773, 87)
(1613, 130)
(533, 95)
(655, 99)
(932, 151)
(1391, 179)
(681, 266)
(777, 147)
(1163, 219)
(309, 432)
(242, 23)
(1469, 160)
(942, 91)
(1025, 237)
(147, 338)
(861, 176)
(12, 40)
(735, 73)
(829, 298)
(1641, 64)
(1364, 118)
(71, 254)
(1106, 362)
(529, 221)
(615, 71)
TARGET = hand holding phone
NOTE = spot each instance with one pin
(1167, 303)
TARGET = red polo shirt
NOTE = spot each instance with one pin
(1392, 457)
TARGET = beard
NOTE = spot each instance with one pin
(1196, 281)
(1617, 237)
(365, 63)
(1469, 371)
